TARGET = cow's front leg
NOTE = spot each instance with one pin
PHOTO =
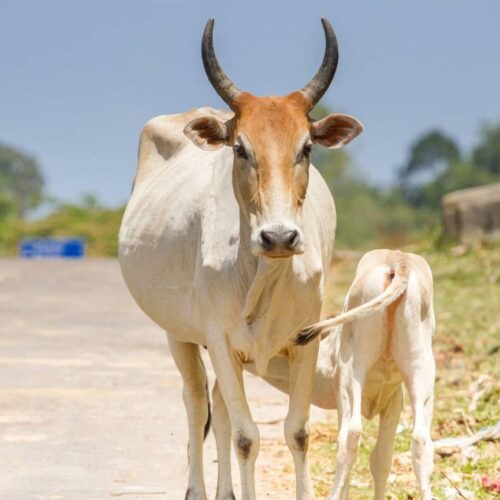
(245, 434)
(302, 362)
(222, 430)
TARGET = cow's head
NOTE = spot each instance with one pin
(272, 139)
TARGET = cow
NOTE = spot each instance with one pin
(382, 339)
(225, 243)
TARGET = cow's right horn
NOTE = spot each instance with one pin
(315, 89)
(219, 80)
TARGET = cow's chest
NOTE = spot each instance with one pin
(268, 326)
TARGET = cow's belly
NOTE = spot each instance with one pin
(164, 246)
(160, 280)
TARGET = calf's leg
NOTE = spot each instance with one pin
(195, 395)
(360, 349)
(381, 456)
(413, 354)
(421, 389)
(350, 389)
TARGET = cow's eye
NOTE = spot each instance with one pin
(240, 151)
(305, 154)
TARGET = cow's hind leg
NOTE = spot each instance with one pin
(221, 426)
(188, 360)
(359, 352)
(349, 406)
(421, 389)
(381, 457)
(414, 357)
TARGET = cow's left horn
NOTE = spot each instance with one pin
(315, 89)
(219, 80)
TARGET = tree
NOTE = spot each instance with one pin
(487, 154)
(21, 181)
(429, 156)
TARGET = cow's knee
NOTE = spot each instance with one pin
(297, 436)
(246, 442)
(244, 445)
(301, 438)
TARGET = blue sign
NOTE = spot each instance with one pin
(42, 248)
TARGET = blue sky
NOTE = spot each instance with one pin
(79, 79)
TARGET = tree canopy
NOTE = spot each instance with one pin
(435, 167)
(487, 154)
(21, 182)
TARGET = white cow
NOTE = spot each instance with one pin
(227, 247)
(382, 339)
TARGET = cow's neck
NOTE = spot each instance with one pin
(260, 274)
(267, 321)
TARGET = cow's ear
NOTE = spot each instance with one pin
(207, 132)
(335, 130)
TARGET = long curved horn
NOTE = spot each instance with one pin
(219, 80)
(315, 89)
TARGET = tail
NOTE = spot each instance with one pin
(398, 285)
(206, 429)
(208, 422)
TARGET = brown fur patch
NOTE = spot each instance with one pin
(244, 445)
(274, 125)
(302, 438)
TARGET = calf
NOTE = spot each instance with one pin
(382, 338)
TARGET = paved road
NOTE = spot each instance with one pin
(90, 399)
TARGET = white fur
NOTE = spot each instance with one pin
(185, 254)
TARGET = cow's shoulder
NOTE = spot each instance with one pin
(163, 137)
(170, 128)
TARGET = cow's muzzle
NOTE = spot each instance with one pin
(284, 243)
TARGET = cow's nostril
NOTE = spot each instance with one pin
(291, 238)
(268, 240)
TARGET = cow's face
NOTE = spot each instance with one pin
(271, 138)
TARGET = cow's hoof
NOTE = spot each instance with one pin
(192, 494)
(226, 496)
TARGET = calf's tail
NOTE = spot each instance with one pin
(399, 282)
